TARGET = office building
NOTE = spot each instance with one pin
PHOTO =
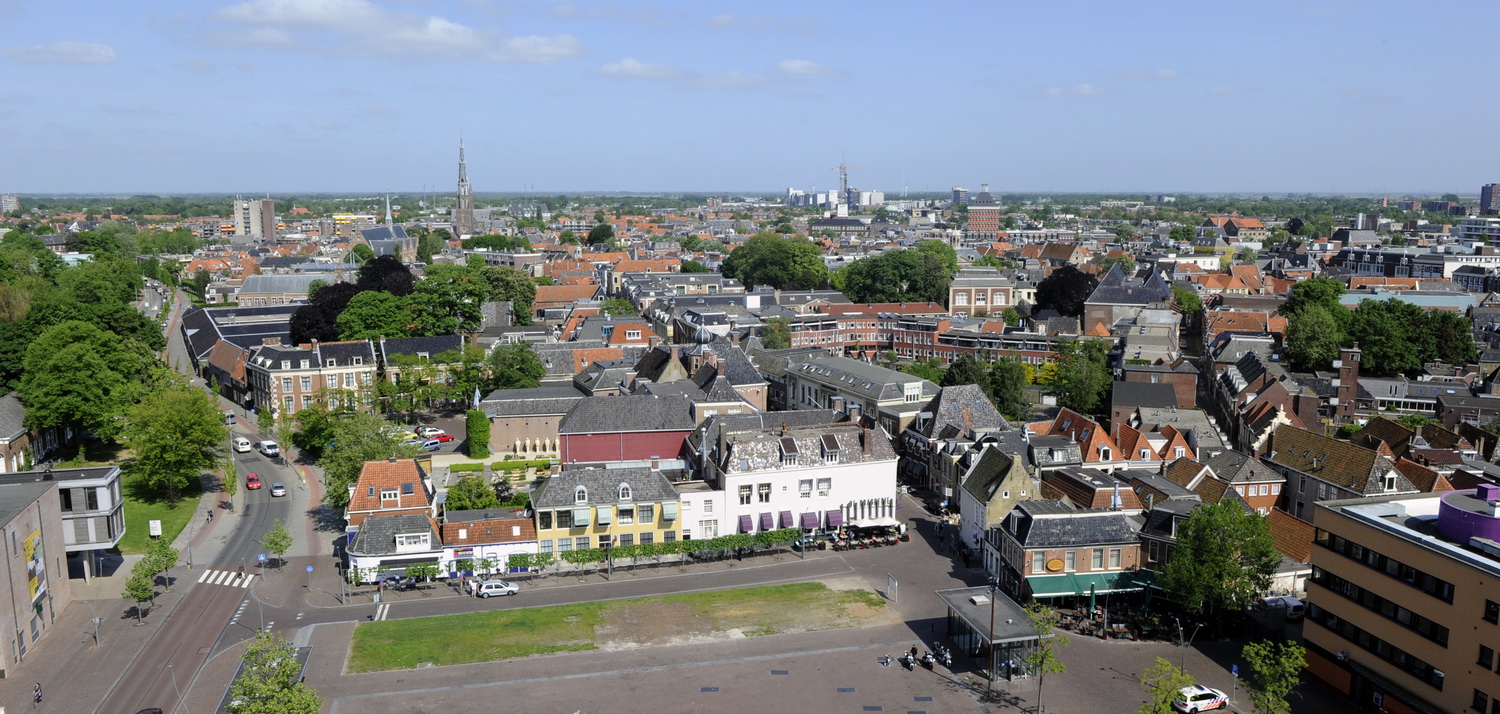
(9, 203)
(1488, 205)
(1404, 601)
(960, 196)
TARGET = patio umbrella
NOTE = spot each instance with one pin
(1091, 597)
(1146, 607)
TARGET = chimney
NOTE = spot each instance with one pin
(676, 353)
(852, 410)
(865, 437)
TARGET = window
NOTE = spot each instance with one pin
(626, 515)
(389, 494)
(627, 539)
(1491, 611)
(1105, 454)
(1038, 561)
(1070, 562)
(1145, 454)
(1098, 563)
(348, 380)
(1275, 489)
(1481, 701)
(648, 538)
(708, 530)
(624, 491)
(804, 487)
(66, 499)
(546, 547)
(411, 540)
(307, 384)
(286, 384)
(1114, 558)
(824, 486)
(364, 378)
(580, 495)
(91, 499)
(708, 506)
(763, 491)
(605, 541)
(544, 518)
(1486, 657)
(307, 400)
(304, 364)
(669, 536)
(564, 545)
(1154, 551)
(745, 494)
(564, 519)
(632, 334)
(1179, 451)
(647, 514)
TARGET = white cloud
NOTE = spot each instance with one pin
(804, 68)
(1086, 90)
(633, 68)
(1052, 92)
(362, 27)
(762, 23)
(64, 52)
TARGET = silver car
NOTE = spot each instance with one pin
(278, 490)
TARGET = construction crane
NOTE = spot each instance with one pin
(843, 170)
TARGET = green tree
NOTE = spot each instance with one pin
(361, 253)
(770, 259)
(160, 558)
(1126, 263)
(271, 680)
(373, 314)
(1162, 682)
(693, 266)
(1007, 387)
(1275, 668)
(1010, 316)
(176, 435)
(776, 333)
(231, 480)
(1125, 232)
(1188, 300)
(898, 276)
(1183, 234)
(509, 284)
(77, 375)
(449, 300)
(139, 587)
(1065, 290)
(1316, 291)
(477, 433)
(471, 492)
(930, 369)
(1082, 377)
(966, 370)
(1223, 559)
(356, 438)
(942, 251)
(602, 233)
(1416, 421)
(514, 366)
(1451, 338)
(617, 306)
(1313, 338)
(278, 541)
(1042, 659)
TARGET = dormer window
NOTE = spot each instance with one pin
(1390, 482)
(330, 363)
(1105, 454)
(1145, 454)
(286, 364)
(1179, 451)
(359, 361)
(389, 494)
(580, 495)
(624, 492)
(306, 364)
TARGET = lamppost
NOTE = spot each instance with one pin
(990, 680)
(1184, 643)
(609, 563)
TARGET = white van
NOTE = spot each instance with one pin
(268, 448)
(241, 444)
(1294, 608)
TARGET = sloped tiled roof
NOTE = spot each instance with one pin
(959, 409)
(403, 475)
(12, 416)
(1337, 462)
(1293, 536)
(487, 526)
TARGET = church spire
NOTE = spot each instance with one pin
(463, 209)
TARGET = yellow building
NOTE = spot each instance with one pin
(592, 508)
(1404, 601)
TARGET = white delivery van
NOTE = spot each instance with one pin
(241, 444)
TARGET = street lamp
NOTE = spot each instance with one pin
(990, 680)
(1184, 643)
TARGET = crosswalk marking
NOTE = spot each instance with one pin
(382, 611)
(227, 578)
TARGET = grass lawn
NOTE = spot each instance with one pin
(143, 505)
(509, 634)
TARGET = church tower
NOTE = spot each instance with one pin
(463, 210)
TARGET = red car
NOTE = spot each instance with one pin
(252, 482)
(445, 438)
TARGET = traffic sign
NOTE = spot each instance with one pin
(1233, 669)
(309, 568)
(261, 557)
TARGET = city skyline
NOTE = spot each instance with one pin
(354, 96)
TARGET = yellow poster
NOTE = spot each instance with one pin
(36, 571)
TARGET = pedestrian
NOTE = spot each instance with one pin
(210, 515)
(36, 692)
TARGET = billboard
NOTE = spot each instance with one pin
(36, 569)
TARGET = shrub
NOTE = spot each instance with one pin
(465, 468)
(477, 429)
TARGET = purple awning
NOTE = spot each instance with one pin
(810, 521)
(835, 518)
(746, 524)
(786, 519)
(765, 521)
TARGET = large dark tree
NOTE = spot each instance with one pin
(318, 319)
(967, 370)
(1065, 290)
(899, 276)
(770, 259)
(386, 274)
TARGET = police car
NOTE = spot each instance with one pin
(1199, 698)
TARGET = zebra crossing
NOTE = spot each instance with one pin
(227, 578)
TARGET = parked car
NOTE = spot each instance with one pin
(1199, 698)
(398, 582)
(428, 432)
(228, 417)
(268, 448)
(278, 490)
(443, 437)
(252, 482)
(497, 587)
(430, 445)
(1294, 608)
(241, 444)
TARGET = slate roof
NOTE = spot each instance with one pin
(12, 417)
(990, 471)
(1053, 524)
(627, 414)
(296, 284)
(854, 376)
(377, 534)
(1159, 519)
(537, 401)
(959, 409)
(602, 487)
(385, 233)
(766, 450)
(1235, 467)
(1337, 462)
(414, 346)
(1116, 289)
(1142, 394)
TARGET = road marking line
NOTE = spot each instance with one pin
(205, 575)
(218, 575)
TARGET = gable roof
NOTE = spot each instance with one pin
(1337, 462)
(403, 475)
(1292, 535)
(960, 409)
(377, 534)
(601, 488)
(487, 526)
(627, 414)
(12, 417)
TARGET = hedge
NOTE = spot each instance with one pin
(465, 468)
(477, 431)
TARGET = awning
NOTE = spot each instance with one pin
(835, 518)
(669, 511)
(580, 517)
(1065, 584)
(747, 524)
(873, 522)
(810, 521)
(604, 514)
(766, 523)
(786, 520)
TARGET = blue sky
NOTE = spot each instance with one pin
(367, 95)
